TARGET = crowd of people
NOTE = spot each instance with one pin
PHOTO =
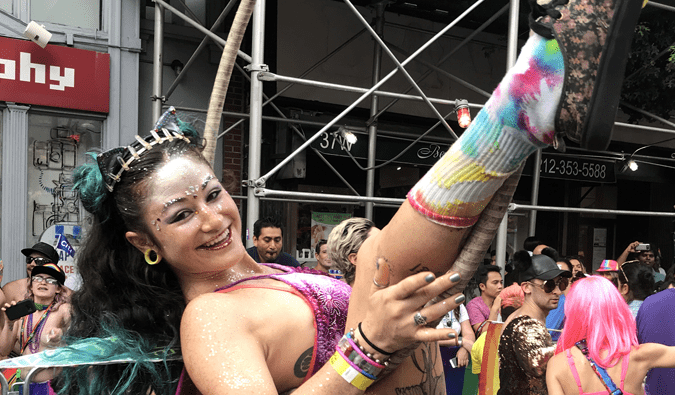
(164, 270)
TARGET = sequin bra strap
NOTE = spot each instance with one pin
(600, 371)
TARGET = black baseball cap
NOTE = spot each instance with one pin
(44, 249)
(543, 268)
(51, 269)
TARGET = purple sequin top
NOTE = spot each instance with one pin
(328, 298)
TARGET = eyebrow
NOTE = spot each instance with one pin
(172, 202)
(206, 180)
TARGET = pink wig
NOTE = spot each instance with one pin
(513, 296)
(595, 311)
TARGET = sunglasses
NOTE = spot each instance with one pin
(624, 273)
(550, 285)
(38, 260)
(40, 279)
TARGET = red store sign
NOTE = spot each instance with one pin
(54, 76)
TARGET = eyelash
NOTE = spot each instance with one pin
(181, 215)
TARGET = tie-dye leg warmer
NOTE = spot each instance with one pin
(516, 121)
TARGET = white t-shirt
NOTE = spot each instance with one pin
(450, 321)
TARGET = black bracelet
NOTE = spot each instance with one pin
(374, 347)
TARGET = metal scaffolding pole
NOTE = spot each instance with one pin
(399, 66)
(444, 58)
(261, 181)
(528, 207)
(201, 28)
(297, 131)
(202, 45)
(267, 76)
(374, 103)
(157, 65)
(511, 56)
(255, 120)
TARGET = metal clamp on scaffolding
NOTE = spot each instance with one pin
(256, 67)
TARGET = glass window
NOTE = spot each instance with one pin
(78, 13)
(56, 146)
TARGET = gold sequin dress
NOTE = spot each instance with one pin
(524, 349)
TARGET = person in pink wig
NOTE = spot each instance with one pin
(598, 343)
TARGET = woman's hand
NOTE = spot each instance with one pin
(462, 357)
(397, 314)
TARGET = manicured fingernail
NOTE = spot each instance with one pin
(429, 278)
(382, 272)
(460, 299)
(451, 335)
(455, 277)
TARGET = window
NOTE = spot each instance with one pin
(56, 146)
(77, 13)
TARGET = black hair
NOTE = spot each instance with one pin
(640, 279)
(494, 253)
(120, 292)
(531, 243)
(317, 248)
(267, 222)
(483, 272)
(551, 253)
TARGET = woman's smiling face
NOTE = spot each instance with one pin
(193, 220)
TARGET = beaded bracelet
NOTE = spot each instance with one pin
(369, 355)
(352, 352)
(352, 375)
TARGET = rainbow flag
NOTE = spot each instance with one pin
(488, 384)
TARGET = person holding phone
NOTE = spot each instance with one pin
(647, 254)
(38, 322)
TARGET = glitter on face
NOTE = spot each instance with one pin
(156, 224)
(206, 180)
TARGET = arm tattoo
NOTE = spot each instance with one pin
(302, 364)
(432, 383)
(419, 269)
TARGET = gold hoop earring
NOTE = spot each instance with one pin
(150, 261)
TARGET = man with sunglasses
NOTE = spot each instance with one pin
(525, 345)
(37, 255)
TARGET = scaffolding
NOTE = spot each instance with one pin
(259, 74)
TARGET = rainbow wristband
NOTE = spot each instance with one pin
(349, 373)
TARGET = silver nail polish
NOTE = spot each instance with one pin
(451, 335)
(455, 277)
(429, 278)
(460, 299)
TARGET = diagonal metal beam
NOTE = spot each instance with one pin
(444, 58)
(309, 70)
(201, 28)
(299, 133)
(400, 67)
(261, 181)
(441, 71)
(202, 45)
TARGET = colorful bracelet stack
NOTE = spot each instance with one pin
(355, 365)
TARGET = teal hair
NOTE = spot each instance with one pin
(161, 366)
(88, 181)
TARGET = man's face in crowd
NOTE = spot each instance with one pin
(545, 301)
(493, 286)
(647, 258)
(268, 244)
(31, 263)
